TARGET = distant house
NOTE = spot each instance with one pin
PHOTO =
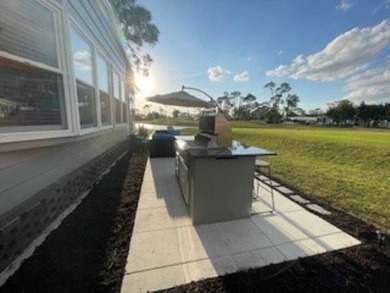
(64, 110)
(320, 120)
(304, 119)
(384, 124)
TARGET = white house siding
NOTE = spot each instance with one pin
(24, 173)
(40, 178)
(88, 15)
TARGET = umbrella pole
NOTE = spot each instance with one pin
(214, 101)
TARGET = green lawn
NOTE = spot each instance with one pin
(349, 168)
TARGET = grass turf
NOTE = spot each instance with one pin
(349, 168)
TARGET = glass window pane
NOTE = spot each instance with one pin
(82, 68)
(105, 101)
(105, 108)
(82, 58)
(123, 91)
(124, 112)
(27, 30)
(118, 111)
(30, 96)
(116, 86)
(102, 74)
(87, 104)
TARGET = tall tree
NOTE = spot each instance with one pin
(284, 88)
(281, 91)
(341, 111)
(243, 112)
(225, 103)
(138, 30)
(281, 95)
(316, 112)
(387, 111)
(363, 112)
(271, 86)
(291, 104)
(236, 95)
(275, 98)
(260, 110)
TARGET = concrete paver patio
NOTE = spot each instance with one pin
(166, 250)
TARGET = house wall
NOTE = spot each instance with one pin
(88, 15)
(29, 207)
(42, 173)
(26, 172)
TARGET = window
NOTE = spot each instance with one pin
(31, 93)
(27, 30)
(82, 68)
(117, 96)
(124, 104)
(105, 101)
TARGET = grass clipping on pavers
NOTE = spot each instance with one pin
(123, 225)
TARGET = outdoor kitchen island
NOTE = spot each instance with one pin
(216, 182)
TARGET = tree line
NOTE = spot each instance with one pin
(281, 105)
(345, 112)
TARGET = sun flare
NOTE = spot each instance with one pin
(144, 84)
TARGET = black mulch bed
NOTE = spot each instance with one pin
(87, 253)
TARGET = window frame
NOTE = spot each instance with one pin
(79, 130)
(36, 132)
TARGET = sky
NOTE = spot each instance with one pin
(327, 50)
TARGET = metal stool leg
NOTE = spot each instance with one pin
(272, 189)
(262, 164)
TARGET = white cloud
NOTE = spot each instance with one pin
(83, 60)
(241, 77)
(345, 5)
(348, 53)
(217, 73)
(372, 86)
(280, 52)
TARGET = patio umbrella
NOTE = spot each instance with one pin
(182, 99)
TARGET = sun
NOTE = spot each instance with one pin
(144, 84)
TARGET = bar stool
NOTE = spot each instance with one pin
(260, 164)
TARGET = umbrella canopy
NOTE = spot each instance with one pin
(182, 99)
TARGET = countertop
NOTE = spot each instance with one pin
(199, 149)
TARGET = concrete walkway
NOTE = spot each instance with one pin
(166, 250)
